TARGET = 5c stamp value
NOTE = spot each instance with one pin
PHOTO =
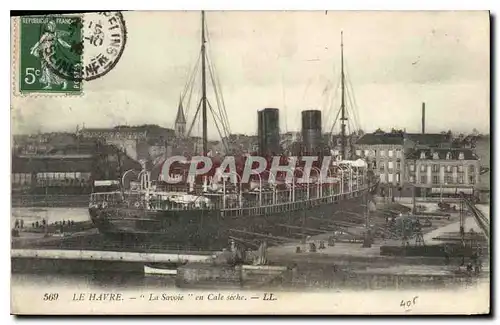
(51, 54)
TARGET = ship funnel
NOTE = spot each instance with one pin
(269, 131)
(311, 131)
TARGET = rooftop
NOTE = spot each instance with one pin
(442, 154)
(429, 139)
(397, 138)
(381, 138)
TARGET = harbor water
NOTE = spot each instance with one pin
(51, 215)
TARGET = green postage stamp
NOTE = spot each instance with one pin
(50, 54)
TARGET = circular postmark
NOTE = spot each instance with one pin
(93, 47)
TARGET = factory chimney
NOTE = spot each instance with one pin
(423, 118)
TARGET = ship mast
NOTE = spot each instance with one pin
(218, 112)
(343, 117)
(203, 85)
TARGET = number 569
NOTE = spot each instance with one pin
(50, 296)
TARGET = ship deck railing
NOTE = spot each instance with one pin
(290, 206)
(270, 200)
(280, 201)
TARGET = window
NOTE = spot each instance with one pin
(398, 165)
(435, 179)
(448, 156)
(460, 179)
(412, 179)
(390, 152)
(423, 168)
(382, 167)
(435, 168)
(471, 169)
(391, 165)
(472, 179)
(412, 168)
(398, 177)
(448, 169)
(460, 169)
(382, 178)
(25, 179)
(358, 152)
(435, 156)
(398, 153)
(422, 154)
(461, 156)
(367, 152)
(448, 180)
(423, 179)
(382, 153)
(390, 177)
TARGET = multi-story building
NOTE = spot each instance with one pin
(135, 140)
(388, 152)
(68, 169)
(385, 153)
(442, 170)
(43, 142)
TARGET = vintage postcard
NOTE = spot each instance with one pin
(267, 162)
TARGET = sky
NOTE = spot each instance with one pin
(394, 61)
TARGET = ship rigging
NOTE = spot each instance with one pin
(347, 111)
(204, 105)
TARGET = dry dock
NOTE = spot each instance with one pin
(343, 264)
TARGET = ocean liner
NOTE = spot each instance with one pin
(213, 208)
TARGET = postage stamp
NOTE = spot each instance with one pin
(58, 53)
(50, 52)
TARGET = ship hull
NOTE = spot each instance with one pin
(213, 229)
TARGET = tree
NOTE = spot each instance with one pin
(379, 131)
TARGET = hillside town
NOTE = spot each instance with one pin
(68, 162)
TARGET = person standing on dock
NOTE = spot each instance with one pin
(475, 261)
(446, 252)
